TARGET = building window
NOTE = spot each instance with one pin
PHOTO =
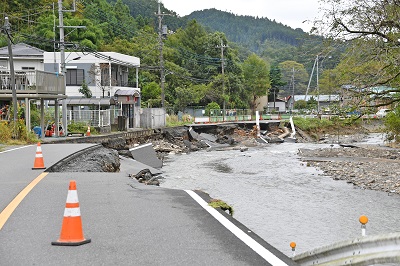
(75, 77)
(28, 68)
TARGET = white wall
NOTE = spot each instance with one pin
(19, 63)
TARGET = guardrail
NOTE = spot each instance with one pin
(366, 250)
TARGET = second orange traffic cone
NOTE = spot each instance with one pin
(88, 131)
(39, 162)
(71, 229)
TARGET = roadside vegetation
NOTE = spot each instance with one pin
(217, 203)
(16, 133)
(175, 121)
(316, 127)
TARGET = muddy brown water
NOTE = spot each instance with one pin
(281, 199)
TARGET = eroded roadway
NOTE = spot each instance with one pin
(129, 223)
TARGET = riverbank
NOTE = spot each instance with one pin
(366, 167)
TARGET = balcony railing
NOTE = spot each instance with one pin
(32, 82)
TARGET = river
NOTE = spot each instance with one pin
(282, 200)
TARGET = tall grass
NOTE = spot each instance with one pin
(312, 124)
(12, 133)
(174, 121)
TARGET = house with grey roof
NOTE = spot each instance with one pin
(38, 77)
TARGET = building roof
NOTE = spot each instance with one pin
(86, 101)
(127, 92)
(22, 50)
(93, 57)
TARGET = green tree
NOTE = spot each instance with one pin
(189, 96)
(294, 75)
(211, 106)
(85, 90)
(392, 125)
(256, 76)
(151, 94)
(372, 30)
(300, 104)
(277, 83)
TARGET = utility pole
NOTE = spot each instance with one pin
(161, 43)
(7, 28)
(222, 46)
(63, 72)
(292, 105)
(62, 59)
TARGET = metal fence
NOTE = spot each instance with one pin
(95, 118)
(218, 115)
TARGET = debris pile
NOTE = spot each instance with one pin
(146, 177)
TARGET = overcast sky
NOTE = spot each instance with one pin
(288, 12)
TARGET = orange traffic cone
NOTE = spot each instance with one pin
(71, 230)
(88, 131)
(39, 162)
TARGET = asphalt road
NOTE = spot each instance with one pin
(129, 223)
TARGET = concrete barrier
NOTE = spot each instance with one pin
(202, 120)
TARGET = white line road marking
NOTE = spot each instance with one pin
(259, 249)
(16, 149)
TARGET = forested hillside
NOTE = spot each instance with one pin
(249, 31)
(259, 55)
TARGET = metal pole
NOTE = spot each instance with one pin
(63, 70)
(27, 115)
(160, 17)
(7, 27)
(109, 75)
(42, 129)
(137, 77)
(223, 78)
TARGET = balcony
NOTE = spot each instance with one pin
(36, 84)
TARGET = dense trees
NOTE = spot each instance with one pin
(372, 29)
(256, 76)
(193, 51)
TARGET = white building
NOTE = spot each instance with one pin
(94, 69)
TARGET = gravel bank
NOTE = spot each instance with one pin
(366, 167)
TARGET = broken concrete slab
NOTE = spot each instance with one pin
(146, 155)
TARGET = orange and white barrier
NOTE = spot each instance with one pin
(39, 162)
(71, 230)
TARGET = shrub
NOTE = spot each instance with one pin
(211, 106)
(16, 133)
